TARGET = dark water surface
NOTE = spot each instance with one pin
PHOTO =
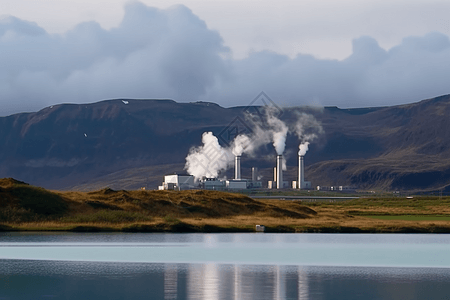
(224, 266)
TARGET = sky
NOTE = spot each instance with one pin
(345, 53)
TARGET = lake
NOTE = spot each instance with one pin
(224, 266)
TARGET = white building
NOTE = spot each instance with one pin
(177, 182)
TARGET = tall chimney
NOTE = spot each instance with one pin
(275, 174)
(254, 174)
(237, 167)
(279, 171)
(301, 172)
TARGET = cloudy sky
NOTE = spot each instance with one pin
(346, 53)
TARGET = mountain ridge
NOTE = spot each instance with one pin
(69, 145)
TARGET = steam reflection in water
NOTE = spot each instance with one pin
(89, 280)
(27, 279)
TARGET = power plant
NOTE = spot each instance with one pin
(185, 181)
(207, 162)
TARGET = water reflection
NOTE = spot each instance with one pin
(208, 275)
(212, 281)
(302, 284)
(92, 280)
(170, 281)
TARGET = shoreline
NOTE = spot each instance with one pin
(184, 227)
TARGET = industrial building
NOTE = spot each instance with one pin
(185, 181)
(177, 182)
(339, 188)
(279, 183)
(212, 184)
(237, 183)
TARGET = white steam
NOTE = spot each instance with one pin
(267, 128)
(283, 164)
(259, 137)
(211, 158)
(303, 148)
(307, 129)
(208, 159)
(278, 131)
(240, 144)
(279, 141)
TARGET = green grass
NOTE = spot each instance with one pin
(311, 193)
(410, 217)
(419, 202)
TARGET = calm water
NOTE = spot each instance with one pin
(224, 266)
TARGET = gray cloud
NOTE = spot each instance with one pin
(171, 53)
(152, 54)
(416, 69)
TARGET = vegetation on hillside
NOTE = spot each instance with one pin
(25, 207)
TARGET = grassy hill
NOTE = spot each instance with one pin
(22, 203)
(26, 207)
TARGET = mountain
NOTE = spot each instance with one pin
(128, 143)
(414, 149)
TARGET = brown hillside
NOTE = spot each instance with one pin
(9, 182)
(25, 207)
(192, 203)
(24, 203)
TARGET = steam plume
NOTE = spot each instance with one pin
(307, 128)
(303, 148)
(240, 144)
(279, 131)
(208, 159)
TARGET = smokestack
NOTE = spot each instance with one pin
(275, 174)
(254, 174)
(279, 171)
(301, 172)
(237, 167)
